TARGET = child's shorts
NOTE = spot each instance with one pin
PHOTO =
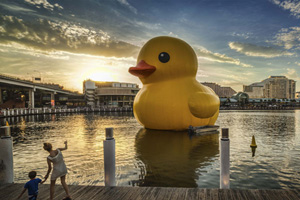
(33, 197)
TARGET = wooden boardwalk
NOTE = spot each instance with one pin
(11, 192)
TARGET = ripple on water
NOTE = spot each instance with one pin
(149, 158)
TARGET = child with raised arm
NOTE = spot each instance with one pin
(59, 168)
(32, 186)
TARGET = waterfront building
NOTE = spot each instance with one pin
(109, 94)
(297, 95)
(241, 97)
(219, 90)
(277, 87)
(255, 90)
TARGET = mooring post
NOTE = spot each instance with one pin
(6, 155)
(109, 158)
(224, 160)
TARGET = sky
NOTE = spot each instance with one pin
(68, 41)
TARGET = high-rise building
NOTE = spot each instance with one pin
(277, 87)
(219, 90)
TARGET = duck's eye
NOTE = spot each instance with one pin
(164, 57)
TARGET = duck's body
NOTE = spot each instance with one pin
(165, 106)
(171, 98)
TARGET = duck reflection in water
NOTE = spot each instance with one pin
(172, 158)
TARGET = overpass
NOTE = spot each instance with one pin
(28, 90)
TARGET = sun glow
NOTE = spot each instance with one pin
(102, 76)
(104, 72)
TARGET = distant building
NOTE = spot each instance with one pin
(241, 97)
(255, 90)
(219, 90)
(111, 94)
(297, 95)
(277, 87)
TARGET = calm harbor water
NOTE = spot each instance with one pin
(163, 158)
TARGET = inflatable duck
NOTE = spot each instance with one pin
(171, 98)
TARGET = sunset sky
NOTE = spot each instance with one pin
(67, 41)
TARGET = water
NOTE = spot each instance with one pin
(163, 158)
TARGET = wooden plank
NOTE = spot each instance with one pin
(44, 191)
(225, 194)
(118, 193)
(202, 194)
(240, 194)
(291, 194)
(85, 192)
(103, 193)
(11, 191)
(91, 193)
(251, 195)
(135, 194)
(264, 194)
(256, 194)
(76, 191)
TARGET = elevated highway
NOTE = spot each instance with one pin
(28, 90)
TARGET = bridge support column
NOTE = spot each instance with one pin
(1, 99)
(53, 100)
(31, 98)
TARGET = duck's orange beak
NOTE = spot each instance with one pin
(142, 70)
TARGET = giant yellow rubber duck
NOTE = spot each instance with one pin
(171, 98)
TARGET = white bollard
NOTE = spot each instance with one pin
(109, 158)
(224, 160)
(6, 156)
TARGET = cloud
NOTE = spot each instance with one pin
(230, 83)
(125, 2)
(16, 8)
(51, 36)
(258, 51)
(221, 58)
(288, 37)
(201, 73)
(173, 34)
(44, 3)
(20, 49)
(291, 5)
(242, 35)
(292, 74)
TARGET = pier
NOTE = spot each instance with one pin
(38, 111)
(11, 191)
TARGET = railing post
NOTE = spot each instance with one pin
(6, 155)
(224, 160)
(109, 158)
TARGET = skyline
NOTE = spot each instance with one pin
(67, 42)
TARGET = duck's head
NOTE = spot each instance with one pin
(163, 58)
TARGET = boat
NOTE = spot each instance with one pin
(203, 130)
